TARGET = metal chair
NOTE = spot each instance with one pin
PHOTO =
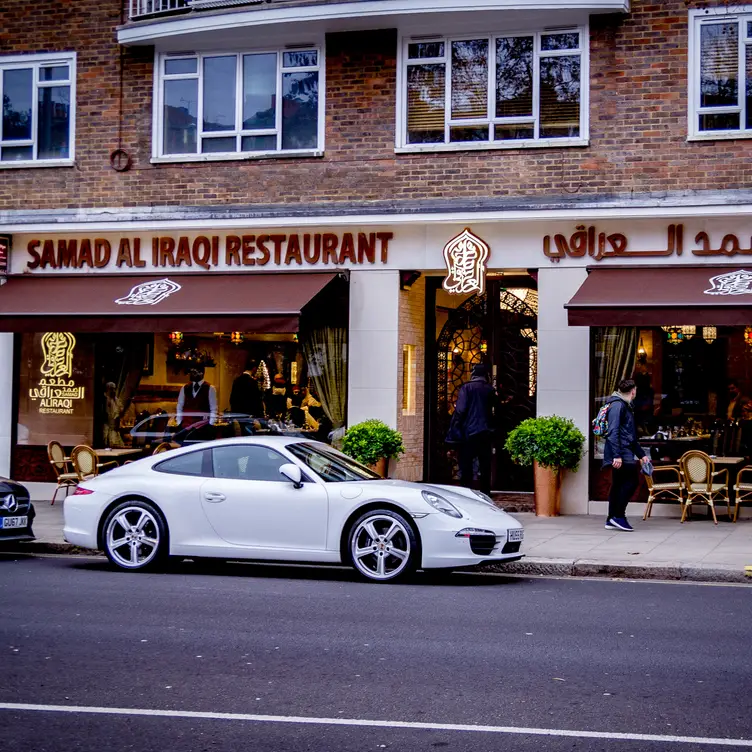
(60, 464)
(165, 446)
(742, 489)
(701, 482)
(668, 491)
(86, 463)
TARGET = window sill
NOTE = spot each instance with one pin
(25, 165)
(181, 158)
(552, 143)
(720, 136)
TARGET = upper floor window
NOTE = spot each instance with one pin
(38, 95)
(721, 88)
(240, 104)
(505, 90)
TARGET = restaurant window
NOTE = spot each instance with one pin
(233, 105)
(721, 75)
(694, 389)
(38, 95)
(495, 91)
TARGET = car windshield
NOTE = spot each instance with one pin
(331, 465)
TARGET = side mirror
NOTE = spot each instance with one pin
(293, 474)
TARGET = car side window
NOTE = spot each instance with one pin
(247, 462)
(193, 463)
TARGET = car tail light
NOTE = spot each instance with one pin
(81, 491)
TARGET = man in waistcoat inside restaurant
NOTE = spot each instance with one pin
(197, 400)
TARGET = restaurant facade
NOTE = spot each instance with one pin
(353, 204)
(386, 320)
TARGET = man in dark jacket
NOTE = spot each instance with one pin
(246, 397)
(622, 452)
(472, 427)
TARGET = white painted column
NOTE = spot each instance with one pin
(564, 370)
(6, 401)
(373, 352)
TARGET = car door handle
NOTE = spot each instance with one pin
(214, 497)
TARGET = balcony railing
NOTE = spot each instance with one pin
(141, 8)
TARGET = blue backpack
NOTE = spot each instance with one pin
(600, 422)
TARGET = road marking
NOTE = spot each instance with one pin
(417, 725)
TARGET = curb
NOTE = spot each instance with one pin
(679, 571)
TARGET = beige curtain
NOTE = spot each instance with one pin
(615, 353)
(326, 353)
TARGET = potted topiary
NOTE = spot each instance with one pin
(373, 443)
(551, 444)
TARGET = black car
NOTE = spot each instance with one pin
(16, 512)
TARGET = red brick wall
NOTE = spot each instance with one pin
(638, 125)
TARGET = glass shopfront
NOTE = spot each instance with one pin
(694, 387)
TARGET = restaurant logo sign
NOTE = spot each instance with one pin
(731, 283)
(150, 293)
(4, 253)
(57, 392)
(466, 256)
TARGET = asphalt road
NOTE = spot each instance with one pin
(85, 646)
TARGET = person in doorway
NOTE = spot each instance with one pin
(197, 400)
(472, 427)
(622, 453)
(246, 397)
(737, 401)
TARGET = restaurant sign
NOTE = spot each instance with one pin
(57, 392)
(210, 251)
(466, 258)
(587, 242)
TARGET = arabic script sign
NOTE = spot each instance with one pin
(466, 256)
(731, 283)
(588, 242)
(4, 253)
(57, 392)
(150, 293)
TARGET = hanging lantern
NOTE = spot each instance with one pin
(748, 335)
(709, 334)
(237, 338)
(484, 346)
(176, 337)
(641, 352)
(689, 331)
(674, 335)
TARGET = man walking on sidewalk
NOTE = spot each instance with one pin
(622, 452)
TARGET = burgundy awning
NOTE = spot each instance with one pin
(263, 303)
(700, 295)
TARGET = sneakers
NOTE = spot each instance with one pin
(619, 523)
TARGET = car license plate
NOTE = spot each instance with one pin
(9, 522)
(515, 535)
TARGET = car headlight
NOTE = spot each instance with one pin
(441, 504)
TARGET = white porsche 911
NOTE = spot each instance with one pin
(284, 499)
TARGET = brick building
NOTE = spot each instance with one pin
(268, 146)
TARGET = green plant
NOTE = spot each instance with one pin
(551, 441)
(369, 441)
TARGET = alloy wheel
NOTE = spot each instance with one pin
(133, 537)
(380, 547)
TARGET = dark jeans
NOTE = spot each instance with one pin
(623, 484)
(479, 446)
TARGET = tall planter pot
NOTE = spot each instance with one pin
(381, 467)
(547, 491)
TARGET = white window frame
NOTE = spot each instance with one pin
(403, 60)
(697, 19)
(37, 61)
(158, 113)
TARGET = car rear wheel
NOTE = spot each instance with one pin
(135, 536)
(383, 546)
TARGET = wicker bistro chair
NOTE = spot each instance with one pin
(86, 463)
(742, 489)
(61, 465)
(703, 483)
(668, 490)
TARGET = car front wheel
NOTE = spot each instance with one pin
(383, 546)
(135, 536)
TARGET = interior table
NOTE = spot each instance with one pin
(117, 454)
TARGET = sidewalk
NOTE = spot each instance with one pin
(660, 548)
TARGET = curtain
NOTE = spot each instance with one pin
(615, 353)
(326, 352)
(126, 369)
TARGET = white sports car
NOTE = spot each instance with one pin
(284, 499)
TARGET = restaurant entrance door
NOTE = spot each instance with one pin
(499, 329)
